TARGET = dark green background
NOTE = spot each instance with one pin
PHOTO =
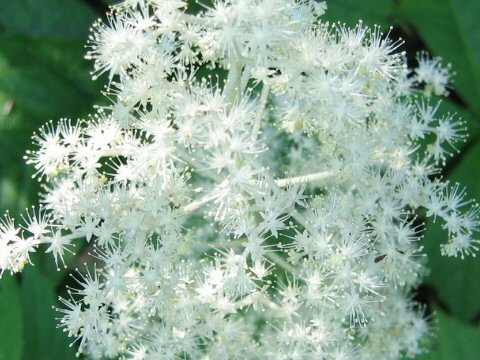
(43, 76)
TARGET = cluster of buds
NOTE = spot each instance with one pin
(253, 189)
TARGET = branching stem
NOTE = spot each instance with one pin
(302, 179)
(260, 111)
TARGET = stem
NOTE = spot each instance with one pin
(280, 183)
(195, 205)
(278, 260)
(261, 109)
(188, 158)
(277, 185)
(245, 77)
(302, 179)
(296, 215)
(262, 299)
(271, 255)
(219, 245)
(231, 91)
(272, 136)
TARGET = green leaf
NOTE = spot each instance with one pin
(450, 30)
(45, 78)
(453, 341)
(351, 11)
(40, 80)
(64, 19)
(10, 319)
(43, 340)
(455, 280)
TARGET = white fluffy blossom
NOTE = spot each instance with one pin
(253, 191)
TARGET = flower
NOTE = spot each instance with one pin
(266, 214)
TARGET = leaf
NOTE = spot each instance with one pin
(43, 340)
(45, 78)
(351, 11)
(456, 280)
(450, 30)
(10, 319)
(40, 80)
(42, 76)
(65, 19)
(454, 340)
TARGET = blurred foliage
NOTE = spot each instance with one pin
(450, 29)
(455, 281)
(11, 347)
(43, 76)
(453, 340)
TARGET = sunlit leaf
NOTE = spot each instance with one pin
(450, 30)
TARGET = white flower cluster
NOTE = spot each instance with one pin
(252, 190)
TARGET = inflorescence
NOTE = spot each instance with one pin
(254, 190)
